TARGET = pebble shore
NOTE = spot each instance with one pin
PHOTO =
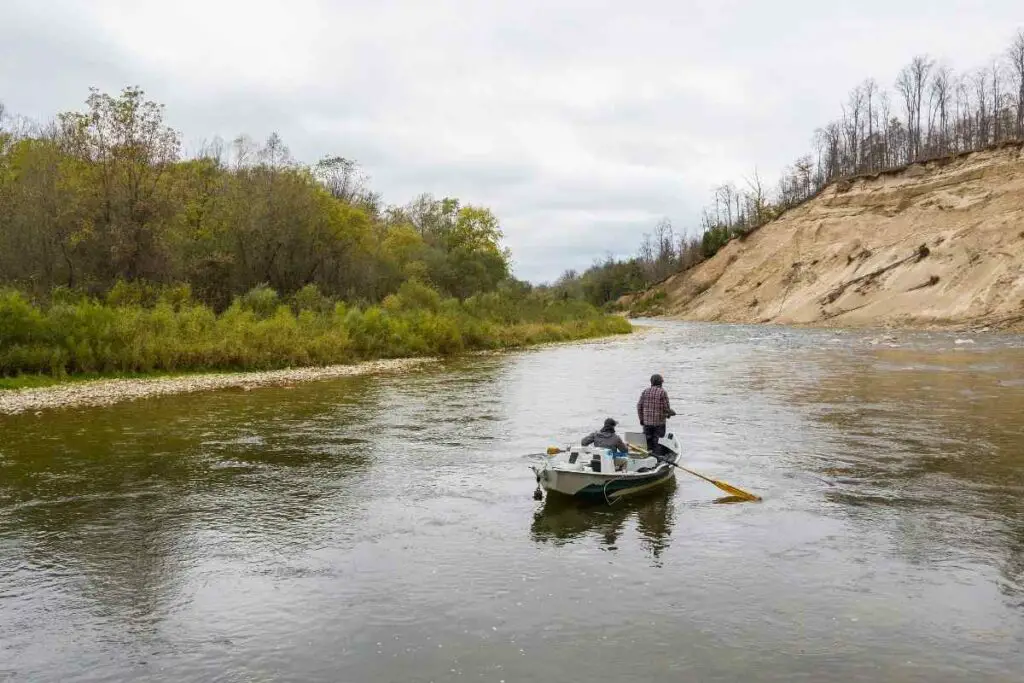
(107, 392)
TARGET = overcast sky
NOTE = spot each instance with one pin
(580, 123)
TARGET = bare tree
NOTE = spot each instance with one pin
(243, 149)
(852, 127)
(961, 107)
(1016, 55)
(661, 259)
(885, 118)
(757, 198)
(938, 104)
(341, 177)
(803, 172)
(870, 94)
(905, 87)
(829, 139)
(646, 250)
(4, 136)
(213, 151)
(911, 83)
(723, 197)
(981, 126)
(995, 76)
(275, 154)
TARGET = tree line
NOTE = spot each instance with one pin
(105, 195)
(661, 254)
(930, 112)
(119, 254)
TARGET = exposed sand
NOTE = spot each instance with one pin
(106, 392)
(938, 245)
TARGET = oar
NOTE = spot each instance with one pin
(728, 488)
(552, 450)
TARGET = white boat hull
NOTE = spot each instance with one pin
(590, 473)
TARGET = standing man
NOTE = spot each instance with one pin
(653, 409)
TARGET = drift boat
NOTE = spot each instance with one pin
(588, 472)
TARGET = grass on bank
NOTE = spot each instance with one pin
(76, 336)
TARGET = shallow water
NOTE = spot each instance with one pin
(384, 529)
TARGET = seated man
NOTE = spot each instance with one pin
(607, 438)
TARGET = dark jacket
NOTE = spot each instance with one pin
(605, 438)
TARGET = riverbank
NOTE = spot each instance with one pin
(84, 392)
(100, 392)
(43, 343)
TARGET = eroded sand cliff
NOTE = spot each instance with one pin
(939, 244)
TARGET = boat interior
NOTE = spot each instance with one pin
(600, 460)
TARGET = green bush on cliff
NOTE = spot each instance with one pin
(714, 239)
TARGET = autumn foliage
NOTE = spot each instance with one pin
(119, 254)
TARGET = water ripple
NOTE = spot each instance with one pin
(384, 528)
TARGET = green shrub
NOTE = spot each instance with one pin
(20, 322)
(309, 298)
(652, 304)
(261, 300)
(139, 330)
(134, 293)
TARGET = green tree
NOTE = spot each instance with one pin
(126, 146)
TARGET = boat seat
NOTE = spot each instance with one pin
(642, 464)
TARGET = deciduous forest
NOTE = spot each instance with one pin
(118, 254)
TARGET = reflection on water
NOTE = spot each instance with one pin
(119, 506)
(563, 520)
(931, 448)
(383, 528)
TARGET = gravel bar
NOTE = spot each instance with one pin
(110, 391)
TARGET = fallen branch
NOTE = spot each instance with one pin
(921, 253)
(932, 281)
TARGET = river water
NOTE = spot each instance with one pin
(384, 529)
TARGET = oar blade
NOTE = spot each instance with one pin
(732, 490)
(728, 488)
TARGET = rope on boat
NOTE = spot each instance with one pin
(604, 492)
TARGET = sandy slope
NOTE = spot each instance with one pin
(939, 244)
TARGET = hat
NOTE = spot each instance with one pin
(656, 380)
(610, 422)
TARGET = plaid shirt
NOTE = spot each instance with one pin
(653, 407)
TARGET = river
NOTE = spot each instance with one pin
(384, 529)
